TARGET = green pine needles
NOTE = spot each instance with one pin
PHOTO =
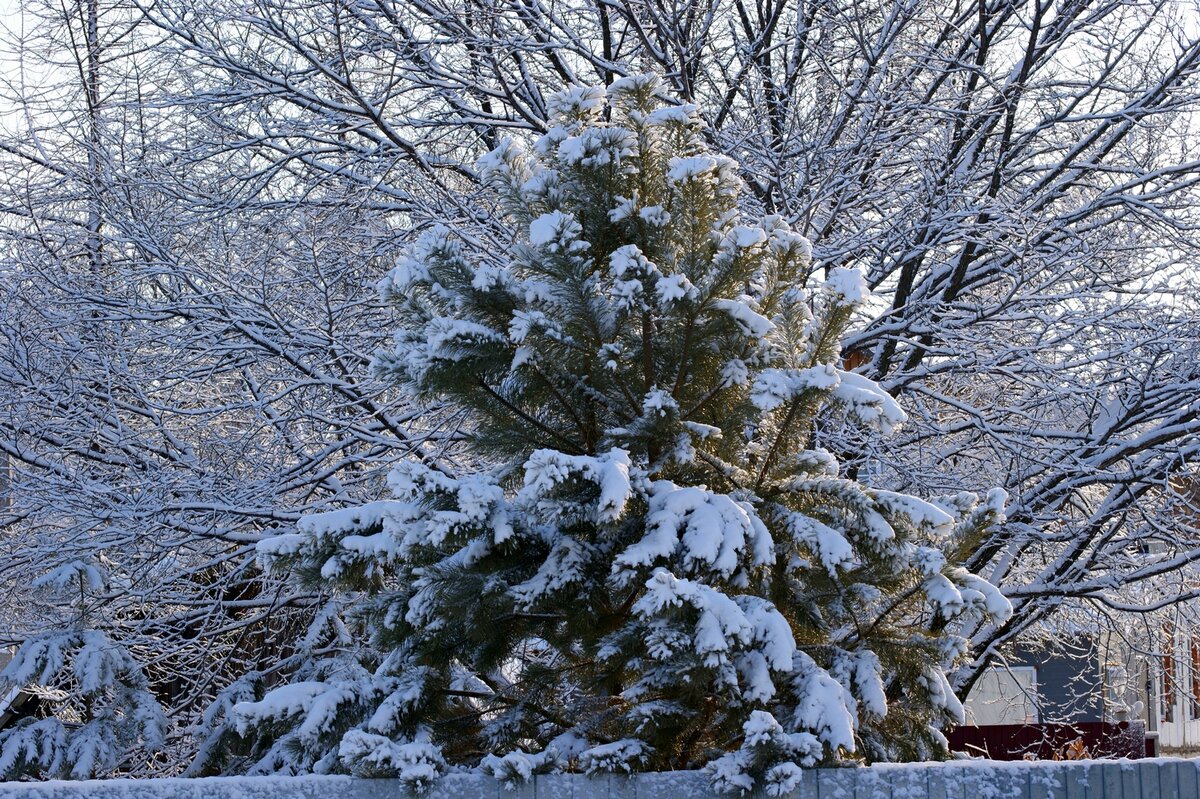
(661, 571)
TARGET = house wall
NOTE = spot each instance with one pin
(1069, 681)
(11, 697)
(1042, 701)
(1136, 687)
(1003, 696)
(1177, 710)
(1067, 688)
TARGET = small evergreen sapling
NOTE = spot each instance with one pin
(661, 571)
(105, 716)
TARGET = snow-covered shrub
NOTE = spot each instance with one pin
(662, 567)
(416, 763)
(104, 715)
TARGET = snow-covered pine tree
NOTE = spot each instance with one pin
(104, 717)
(661, 571)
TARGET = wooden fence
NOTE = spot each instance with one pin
(1157, 778)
